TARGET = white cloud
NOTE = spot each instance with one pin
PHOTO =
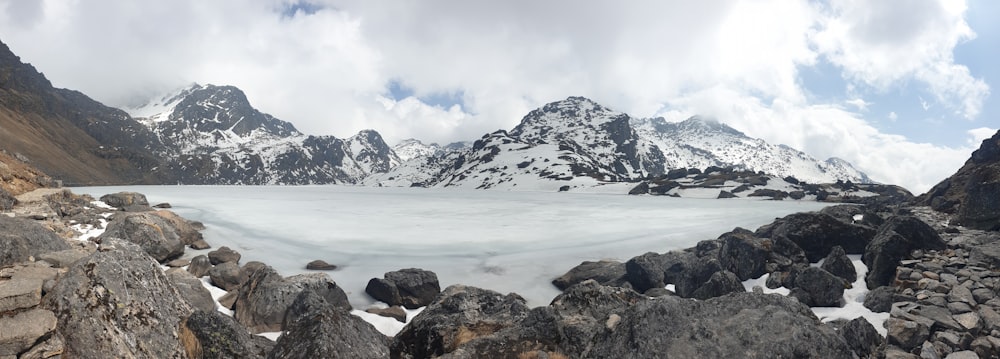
(327, 72)
(977, 135)
(893, 116)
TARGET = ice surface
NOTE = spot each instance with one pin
(507, 241)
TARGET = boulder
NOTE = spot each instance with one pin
(880, 299)
(823, 289)
(222, 255)
(18, 294)
(606, 272)
(744, 254)
(861, 336)
(199, 245)
(693, 273)
(731, 326)
(191, 289)
(457, 316)
(645, 271)
(21, 239)
(315, 328)
(210, 334)
(152, 233)
(226, 276)
(720, 283)
(187, 232)
(641, 188)
(395, 312)
(265, 296)
(118, 304)
(412, 288)
(896, 238)
(20, 331)
(906, 334)
(817, 233)
(64, 258)
(199, 266)
(725, 194)
(839, 265)
(121, 200)
(320, 265)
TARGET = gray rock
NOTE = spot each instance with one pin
(906, 334)
(395, 312)
(226, 276)
(177, 263)
(896, 238)
(964, 354)
(199, 267)
(823, 289)
(458, 315)
(152, 233)
(21, 239)
(315, 328)
(605, 272)
(384, 291)
(20, 331)
(320, 265)
(64, 258)
(19, 294)
(186, 231)
(991, 319)
(645, 271)
(861, 336)
(199, 245)
(839, 265)
(719, 284)
(191, 289)
(693, 274)
(961, 294)
(983, 347)
(818, 233)
(118, 304)
(210, 334)
(125, 199)
(743, 254)
(222, 255)
(417, 287)
(265, 296)
(969, 321)
(769, 326)
(986, 253)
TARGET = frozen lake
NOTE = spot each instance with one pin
(499, 240)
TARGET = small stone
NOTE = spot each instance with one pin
(931, 275)
(952, 340)
(19, 294)
(961, 294)
(959, 308)
(991, 319)
(177, 263)
(949, 279)
(964, 354)
(906, 334)
(970, 321)
(222, 255)
(163, 205)
(199, 245)
(982, 295)
(982, 346)
(320, 265)
(395, 312)
(20, 331)
(915, 276)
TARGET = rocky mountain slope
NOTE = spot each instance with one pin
(67, 134)
(579, 143)
(212, 135)
(971, 194)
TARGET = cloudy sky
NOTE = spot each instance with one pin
(902, 89)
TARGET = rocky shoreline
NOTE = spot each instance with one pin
(126, 293)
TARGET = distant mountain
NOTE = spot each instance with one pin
(412, 148)
(212, 135)
(579, 143)
(69, 135)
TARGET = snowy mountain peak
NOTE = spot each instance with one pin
(412, 148)
(563, 117)
(227, 108)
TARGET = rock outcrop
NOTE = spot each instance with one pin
(972, 194)
(315, 328)
(21, 239)
(265, 296)
(151, 232)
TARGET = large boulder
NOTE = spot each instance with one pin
(459, 315)
(744, 254)
(186, 230)
(818, 233)
(819, 288)
(227, 276)
(838, 264)
(315, 328)
(861, 336)
(117, 303)
(645, 271)
(720, 283)
(895, 240)
(606, 272)
(191, 289)
(200, 265)
(412, 288)
(21, 239)
(210, 334)
(222, 255)
(265, 296)
(733, 326)
(152, 233)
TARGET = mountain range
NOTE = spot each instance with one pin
(207, 134)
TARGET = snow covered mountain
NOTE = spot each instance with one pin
(579, 143)
(213, 135)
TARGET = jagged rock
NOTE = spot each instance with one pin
(320, 265)
(606, 272)
(817, 233)
(22, 238)
(125, 199)
(645, 271)
(769, 326)
(839, 265)
(961, 294)
(222, 255)
(19, 294)
(226, 276)
(986, 253)
(118, 304)
(200, 244)
(265, 296)
(19, 332)
(153, 233)
(641, 188)
(64, 258)
(191, 289)
(906, 334)
(824, 289)
(210, 334)
(49, 348)
(726, 194)
(458, 315)
(880, 299)
(315, 328)
(187, 232)
(720, 283)
(896, 238)
(744, 254)
(412, 288)
(969, 321)
(200, 266)
(861, 336)
(395, 312)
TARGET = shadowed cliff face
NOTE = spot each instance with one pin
(69, 135)
(973, 193)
